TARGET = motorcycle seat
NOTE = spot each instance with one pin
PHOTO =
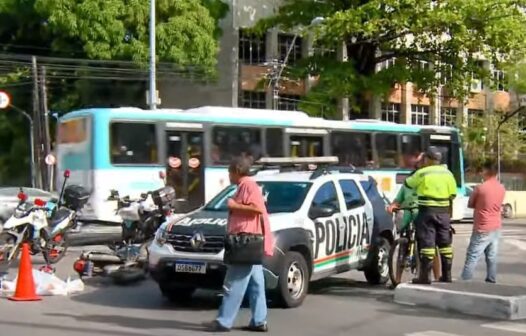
(59, 216)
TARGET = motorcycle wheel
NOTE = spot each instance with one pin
(55, 248)
(9, 249)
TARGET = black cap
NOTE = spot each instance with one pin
(433, 153)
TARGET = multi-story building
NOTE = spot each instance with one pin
(244, 62)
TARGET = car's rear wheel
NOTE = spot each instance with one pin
(176, 294)
(377, 270)
(293, 283)
(507, 211)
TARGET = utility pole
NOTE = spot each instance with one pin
(45, 120)
(36, 130)
(153, 88)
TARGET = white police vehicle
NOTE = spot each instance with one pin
(325, 222)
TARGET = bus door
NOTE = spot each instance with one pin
(306, 142)
(185, 168)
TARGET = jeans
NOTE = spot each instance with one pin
(238, 280)
(482, 242)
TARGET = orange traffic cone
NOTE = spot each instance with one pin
(25, 285)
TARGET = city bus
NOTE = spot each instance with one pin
(127, 149)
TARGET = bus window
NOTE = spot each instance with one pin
(411, 150)
(274, 141)
(228, 142)
(306, 146)
(352, 148)
(72, 131)
(387, 149)
(133, 143)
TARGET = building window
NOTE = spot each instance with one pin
(288, 102)
(420, 114)
(448, 116)
(386, 64)
(253, 99)
(499, 79)
(475, 117)
(391, 112)
(284, 44)
(252, 48)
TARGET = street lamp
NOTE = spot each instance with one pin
(153, 88)
(277, 70)
(32, 150)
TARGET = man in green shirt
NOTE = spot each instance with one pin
(435, 187)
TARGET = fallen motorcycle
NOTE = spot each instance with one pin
(127, 261)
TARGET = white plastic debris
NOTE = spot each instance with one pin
(46, 285)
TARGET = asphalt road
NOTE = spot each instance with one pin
(343, 305)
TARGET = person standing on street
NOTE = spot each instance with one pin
(486, 201)
(247, 215)
(435, 187)
(407, 198)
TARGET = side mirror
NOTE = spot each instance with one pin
(144, 195)
(67, 173)
(321, 211)
(114, 195)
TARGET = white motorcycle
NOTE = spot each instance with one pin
(44, 225)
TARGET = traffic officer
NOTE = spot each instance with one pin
(435, 187)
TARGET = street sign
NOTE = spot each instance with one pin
(50, 160)
(522, 100)
(4, 100)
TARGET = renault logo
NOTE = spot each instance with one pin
(197, 241)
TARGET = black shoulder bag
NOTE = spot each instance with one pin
(245, 248)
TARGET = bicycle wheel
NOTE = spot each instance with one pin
(400, 261)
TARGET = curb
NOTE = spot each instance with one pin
(469, 303)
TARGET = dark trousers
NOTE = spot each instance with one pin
(433, 228)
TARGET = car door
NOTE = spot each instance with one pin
(357, 214)
(325, 212)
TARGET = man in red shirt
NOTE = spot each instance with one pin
(486, 201)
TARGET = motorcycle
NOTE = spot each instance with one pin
(128, 258)
(44, 225)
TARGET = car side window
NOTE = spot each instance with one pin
(326, 196)
(352, 195)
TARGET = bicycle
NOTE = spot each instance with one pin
(407, 258)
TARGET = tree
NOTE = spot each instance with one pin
(68, 35)
(480, 140)
(433, 42)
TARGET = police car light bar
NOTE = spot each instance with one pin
(298, 160)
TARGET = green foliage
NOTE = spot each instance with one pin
(448, 35)
(480, 139)
(108, 30)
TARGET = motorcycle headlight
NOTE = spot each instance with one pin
(160, 236)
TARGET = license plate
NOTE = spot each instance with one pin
(190, 267)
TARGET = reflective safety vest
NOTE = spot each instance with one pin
(435, 186)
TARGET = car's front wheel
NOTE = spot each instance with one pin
(377, 270)
(293, 283)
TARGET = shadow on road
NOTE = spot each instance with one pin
(133, 322)
(142, 295)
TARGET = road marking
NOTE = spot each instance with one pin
(521, 245)
(508, 326)
(431, 333)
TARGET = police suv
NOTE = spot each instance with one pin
(326, 221)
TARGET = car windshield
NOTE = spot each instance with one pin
(279, 196)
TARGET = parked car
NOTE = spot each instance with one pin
(325, 222)
(9, 199)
